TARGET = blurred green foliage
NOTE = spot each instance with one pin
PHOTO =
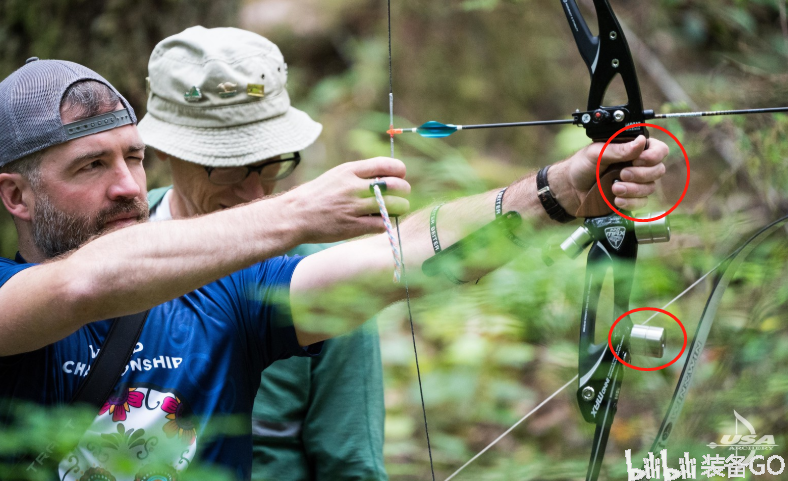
(491, 352)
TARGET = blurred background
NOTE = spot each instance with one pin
(492, 352)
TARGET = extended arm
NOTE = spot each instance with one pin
(141, 266)
(322, 282)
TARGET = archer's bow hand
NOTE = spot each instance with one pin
(575, 178)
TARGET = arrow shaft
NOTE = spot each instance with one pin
(711, 113)
(515, 124)
(444, 130)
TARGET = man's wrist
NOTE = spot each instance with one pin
(558, 178)
(294, 224)
(552, 190)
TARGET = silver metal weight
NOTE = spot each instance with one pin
(653, 232)
(577, 242)
(647, 341)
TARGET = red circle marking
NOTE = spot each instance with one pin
(686, 185)
(655, 309)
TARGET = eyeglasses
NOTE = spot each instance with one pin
(269, 170)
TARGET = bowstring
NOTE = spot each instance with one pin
(692, 286)
(402, 256)
(550, 397)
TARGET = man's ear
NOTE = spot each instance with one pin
(16, 193)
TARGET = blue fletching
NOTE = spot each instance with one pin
(436, 130)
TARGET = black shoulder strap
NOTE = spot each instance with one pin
(97, 386)
(113, 356)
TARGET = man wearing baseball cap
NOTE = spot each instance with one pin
(71, 176)
(315, 418)
(221, 306)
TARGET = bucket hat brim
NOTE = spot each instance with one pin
(232, 146)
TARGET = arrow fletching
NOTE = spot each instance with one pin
(436, 130)
(430, 130)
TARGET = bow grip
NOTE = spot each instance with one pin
(594, 205)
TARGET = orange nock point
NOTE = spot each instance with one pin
(392, 131)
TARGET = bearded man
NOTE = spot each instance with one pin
(72, 177)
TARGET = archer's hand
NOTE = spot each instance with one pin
(339, 205)
(637, 181)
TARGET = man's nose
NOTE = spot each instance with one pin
(124, 184)
(252, 188)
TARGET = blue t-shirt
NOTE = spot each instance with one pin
(193, 375)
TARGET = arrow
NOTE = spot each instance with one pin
(438, 130)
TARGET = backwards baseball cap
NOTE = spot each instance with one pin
(218, 98)
(30, 108)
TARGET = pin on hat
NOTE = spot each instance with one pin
(193, 95)
(218, 98)
(255, 90)
(227, 90)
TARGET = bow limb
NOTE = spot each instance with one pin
(727, 269)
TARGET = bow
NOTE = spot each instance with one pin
(613, 238)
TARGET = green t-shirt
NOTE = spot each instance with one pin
(321, 418)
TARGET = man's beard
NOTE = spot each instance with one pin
(56, 232)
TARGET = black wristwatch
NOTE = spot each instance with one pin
(553, 208)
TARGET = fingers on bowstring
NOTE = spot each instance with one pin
(395, 205)
(371, 224)
(388, 186)
(378, 167)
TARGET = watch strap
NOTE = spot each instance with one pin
(549, 202)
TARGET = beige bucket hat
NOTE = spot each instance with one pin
(217, 97)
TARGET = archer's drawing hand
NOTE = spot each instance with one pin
(338, 204)
(637, 181)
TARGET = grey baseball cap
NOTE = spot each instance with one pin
(218, 98)
(30, 108)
